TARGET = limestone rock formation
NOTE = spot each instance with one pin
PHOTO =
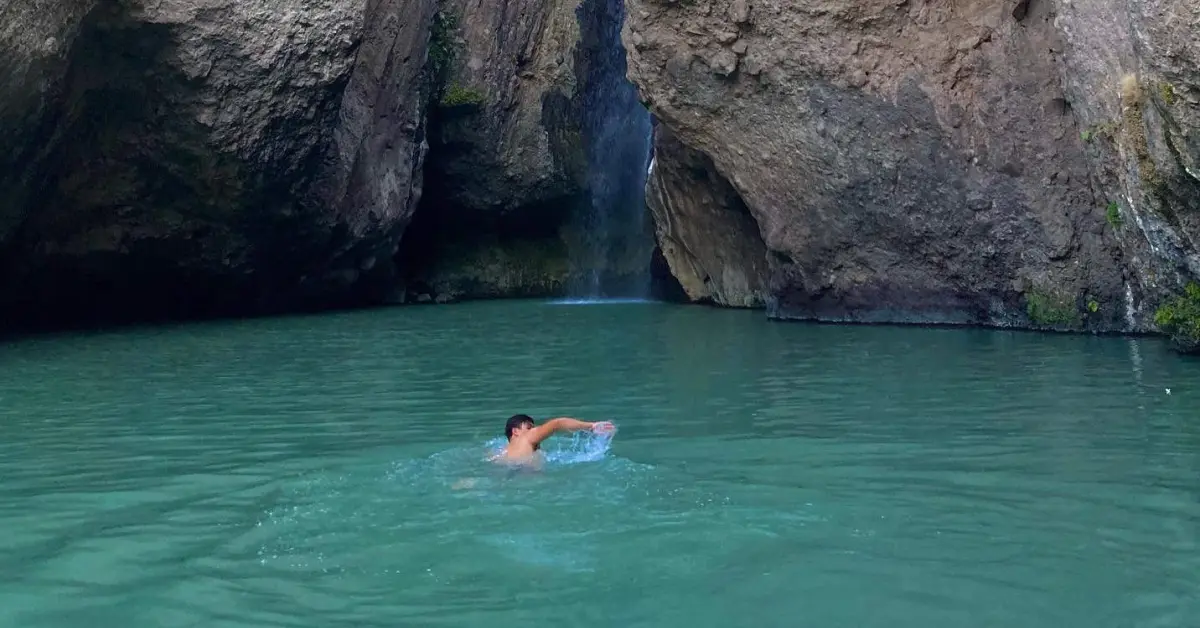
(1011, 162)
(205, 156)
(921, 161)
(708, 237)
(34, 47)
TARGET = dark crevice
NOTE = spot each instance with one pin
(664, 286)
(1021, 10)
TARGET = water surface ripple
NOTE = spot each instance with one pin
(328, 471)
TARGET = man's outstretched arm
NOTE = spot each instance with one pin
(564, 424)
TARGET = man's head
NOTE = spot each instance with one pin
(517, 424)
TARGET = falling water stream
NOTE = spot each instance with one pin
(613, 258)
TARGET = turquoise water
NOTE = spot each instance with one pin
(327, 471)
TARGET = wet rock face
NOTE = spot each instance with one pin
(506, 133)
(1014, 162)
(506, 165)
(908, 162)
(1131, 68)
(196, 157)
(201, 157)
(535, 136)
(35, 44)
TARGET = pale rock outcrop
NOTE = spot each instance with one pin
(708, 237)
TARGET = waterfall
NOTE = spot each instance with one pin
(614, 241)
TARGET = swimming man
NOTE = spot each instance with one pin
(525, 437)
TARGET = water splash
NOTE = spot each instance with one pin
(579, 447)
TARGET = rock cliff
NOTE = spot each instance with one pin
(535, 131)
(924, 161)
(204, 157)
(191, 157)
(34, 46)
(1131, 69)
(1030, 163)
(506, 164)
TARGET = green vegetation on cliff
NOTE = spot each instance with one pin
(443, 54)
(442, 45)
(1180, 317)
(1051, 310)
(458, 96)
(1166, 91)
(1113, 215)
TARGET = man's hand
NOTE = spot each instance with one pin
(603, 427)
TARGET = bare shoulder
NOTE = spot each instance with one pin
(519, 453)
(521, 448)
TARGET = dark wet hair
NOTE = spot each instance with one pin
(515, 421)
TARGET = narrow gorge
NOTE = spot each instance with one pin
(1021, 163)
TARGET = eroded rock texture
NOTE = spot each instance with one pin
(191, 157)
(1132, 71)
(919, 161)
(534, 145)
(506, 123)
(707, 235)
(506, 164)
(35, 41)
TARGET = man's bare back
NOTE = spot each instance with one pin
(525, 437)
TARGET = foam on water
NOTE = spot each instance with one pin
(598, 301)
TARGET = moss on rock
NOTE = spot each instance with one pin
(458, 96)
(443, 48)
(1048, 309)
(1113, 214)
(1167, 92)
(1180, 317)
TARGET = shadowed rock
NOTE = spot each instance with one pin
(198, 157)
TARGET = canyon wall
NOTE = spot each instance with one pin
(1131, 69)
(1028, 163)
(198, 157)
(925, 161)
(189, 158)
